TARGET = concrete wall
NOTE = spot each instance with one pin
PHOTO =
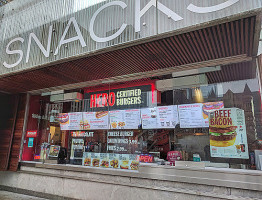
(64, 184)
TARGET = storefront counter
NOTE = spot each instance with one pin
(152, 181)
(181, 182)
(224, 177)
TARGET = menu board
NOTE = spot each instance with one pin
(196, 115)
(132, 119)
(149, 120)
(117, 119)
(121, 141)
(125, 119)
(71, 121)
(228, 138)
(167, 116)
(95, 120)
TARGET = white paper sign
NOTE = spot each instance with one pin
(190, 116)
(132, 119)
(95, 120)
(196, 115)
(71, 121)
(117, 119)
(149, 120)
(167, 116)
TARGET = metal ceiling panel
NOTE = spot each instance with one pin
(224, 40)
(20, 20)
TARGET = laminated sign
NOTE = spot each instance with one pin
(228, 138)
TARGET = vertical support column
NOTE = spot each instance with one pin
(17, 136)
(25, 125)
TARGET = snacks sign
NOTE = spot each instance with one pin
(132, 97)
(227, 132)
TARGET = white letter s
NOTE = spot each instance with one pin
(12, 52)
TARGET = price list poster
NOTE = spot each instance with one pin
(122, 141)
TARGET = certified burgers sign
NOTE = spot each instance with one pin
(120, 98)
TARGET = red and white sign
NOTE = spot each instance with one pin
(31, 134)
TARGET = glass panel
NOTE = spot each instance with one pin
(217, 125)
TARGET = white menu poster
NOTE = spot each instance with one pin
(196, 115)
(95, 120)
(227, 132)
(190, 116)
(132, 119)
(117, 119)
(167, 116)
(71, 121)
(149, 120)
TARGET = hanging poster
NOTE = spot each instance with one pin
(209, 107)
(167, 116)
(117, 119)
(95, 120)
(196, 115)
(149, 120)
(228, 138)
(125, 119)
(132, 119)
(190, 116)
(71, 121)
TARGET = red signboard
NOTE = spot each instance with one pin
(31, 134)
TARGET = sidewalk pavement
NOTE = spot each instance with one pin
(4, 195)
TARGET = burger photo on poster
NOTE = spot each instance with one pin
(222, 136)
(210, 107)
